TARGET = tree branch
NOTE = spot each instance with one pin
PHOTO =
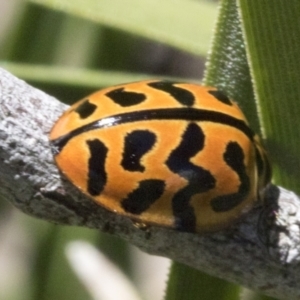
(261, 252)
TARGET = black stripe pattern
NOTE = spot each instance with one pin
(234, 157)
(183, 96)
(138, 143)
(185, 114)
(199, 180)
(97, 176)
(125, 98)
(140, 199)
(221, 97)
(85, 109)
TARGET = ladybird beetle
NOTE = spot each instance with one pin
(163, 153)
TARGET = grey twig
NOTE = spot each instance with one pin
(260, 252)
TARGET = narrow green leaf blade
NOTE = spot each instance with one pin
(78, 77)
(272, 32)
(227, 66)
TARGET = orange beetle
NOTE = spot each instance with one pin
(163, 153)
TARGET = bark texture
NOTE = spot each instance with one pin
(260, 252)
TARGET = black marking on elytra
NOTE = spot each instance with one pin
(185, 114)
(199, 179)
(136, 144)
(220, 96)
(85, 109)
(96, 167)
(234, 158)
(140, 199)
(183, 96)
(125, 98)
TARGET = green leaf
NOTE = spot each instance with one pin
(78, 77)
(272, 37)
(184, 24)
(186, 283)
(227, 66)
